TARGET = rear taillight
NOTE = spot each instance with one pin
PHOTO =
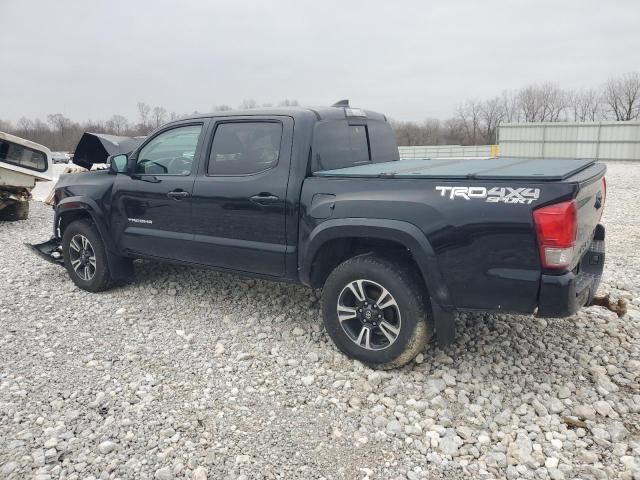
(556, 226)
(604, 185)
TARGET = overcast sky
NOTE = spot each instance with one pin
(408, 59)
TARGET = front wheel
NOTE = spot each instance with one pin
(85, 257)
(375, 311)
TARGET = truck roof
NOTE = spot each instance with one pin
(320, 113)
(502, 168)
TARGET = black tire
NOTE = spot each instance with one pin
(413, 324)
(15, 211)
(101, 278)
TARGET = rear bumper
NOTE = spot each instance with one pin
(563, 295)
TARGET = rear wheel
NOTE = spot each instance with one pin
(375, 311)
(85, 257)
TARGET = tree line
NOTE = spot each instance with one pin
(475, 121)
(60, 133)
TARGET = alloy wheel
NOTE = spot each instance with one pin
(369, 314)
(82, 257)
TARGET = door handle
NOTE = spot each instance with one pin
(264, 199)
(178, 195)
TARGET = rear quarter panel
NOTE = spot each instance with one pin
(486, 253)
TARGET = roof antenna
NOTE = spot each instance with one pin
(341, 103)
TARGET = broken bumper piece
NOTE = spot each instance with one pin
(50, 250)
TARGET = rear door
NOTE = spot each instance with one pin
(239, 198)
(151, 212)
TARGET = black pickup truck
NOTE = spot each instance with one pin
(319, 196)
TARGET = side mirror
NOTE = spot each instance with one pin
(118, 163)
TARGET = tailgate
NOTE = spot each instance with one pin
(590, 201)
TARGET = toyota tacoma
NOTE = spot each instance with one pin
(319, 196)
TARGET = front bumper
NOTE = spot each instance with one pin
(51, 250)
(563, 295)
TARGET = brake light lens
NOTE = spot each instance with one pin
(557, 228)
(604, 184)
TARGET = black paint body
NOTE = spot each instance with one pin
(473, 255)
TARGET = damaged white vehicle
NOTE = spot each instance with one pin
(22, 164)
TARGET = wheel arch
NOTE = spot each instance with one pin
(344, 233)
(75, 208)
(372, 232)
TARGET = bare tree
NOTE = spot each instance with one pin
(622, 95)
(248, 103)
(510, 106)
(454, 131)
(158, 116)
(542, 103)
(221, 108)
(25, 124)
(60, 124)
(288, 103)
(117, 124)
(432, 129)
(407, 133)
(530, 106)
(491, 115)
(469, 115)
(143, 111)
(554, 103)
(585, 105)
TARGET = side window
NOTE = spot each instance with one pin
(170, 153)
(22, 156)
(242, 148)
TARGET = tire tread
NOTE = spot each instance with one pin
(104, 279)
(399, 273)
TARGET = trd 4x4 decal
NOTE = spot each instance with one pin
(492, 195)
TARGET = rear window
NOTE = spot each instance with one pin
(382, 142)
(22, 156)
(337, 144)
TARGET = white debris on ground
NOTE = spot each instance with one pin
(43, 189)
(194, 374)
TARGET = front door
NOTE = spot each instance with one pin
(239, 198)
(151, 212)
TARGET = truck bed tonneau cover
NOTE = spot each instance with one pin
(544, 170)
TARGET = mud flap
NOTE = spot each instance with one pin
(444, 323)
(50, 250)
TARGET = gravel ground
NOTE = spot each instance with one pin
(193, 374)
